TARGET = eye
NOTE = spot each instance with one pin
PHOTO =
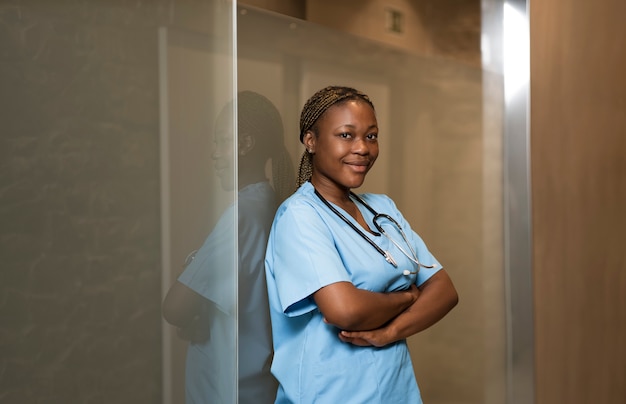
(372, 136)
(345, 135)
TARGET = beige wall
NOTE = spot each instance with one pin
(578, 138)
(440, 187)
(453, 194)
(445, 28)
(292, 8)
(445, 173)
(448, 28)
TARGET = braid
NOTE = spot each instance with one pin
(306, 169)
(313, 110)
(257, 116)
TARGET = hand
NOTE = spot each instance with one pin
(378, 337)
(375, 338)
(414, 291)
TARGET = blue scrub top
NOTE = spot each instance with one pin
(241, 320)
(310, 247)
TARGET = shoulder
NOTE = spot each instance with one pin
(256, 206)
(302, 201)
(258, 193)
(257, 199)
(379, 201)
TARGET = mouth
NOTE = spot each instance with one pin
(359, 166)
(220, 170)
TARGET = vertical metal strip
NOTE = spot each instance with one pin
(517, 206)
(235, 240)
(166, 340)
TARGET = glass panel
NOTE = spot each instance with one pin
(199, 209)
(109, 114)
(440, 161)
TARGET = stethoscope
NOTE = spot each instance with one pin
(378, 216)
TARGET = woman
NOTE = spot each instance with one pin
(201, 303)
(346, 284)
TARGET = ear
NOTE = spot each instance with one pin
(245, 144)
(309, 141)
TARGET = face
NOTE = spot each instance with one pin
(346, 145)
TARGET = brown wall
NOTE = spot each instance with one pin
(578, 143)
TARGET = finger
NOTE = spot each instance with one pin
(353, 340)
(358, 342)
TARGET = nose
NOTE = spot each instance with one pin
(360, 146)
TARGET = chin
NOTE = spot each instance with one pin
(227, 183)
(355, 183)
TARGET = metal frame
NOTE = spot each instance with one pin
(517, 203)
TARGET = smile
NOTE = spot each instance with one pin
(220, 170)
(361, 166)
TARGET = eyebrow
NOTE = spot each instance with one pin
(351, 126)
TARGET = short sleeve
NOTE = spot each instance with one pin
(211, 273)
(302, 257)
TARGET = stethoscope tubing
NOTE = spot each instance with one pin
(386, 254)
(378, 215)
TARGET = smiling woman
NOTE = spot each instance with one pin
(343, 144)
(336, 304)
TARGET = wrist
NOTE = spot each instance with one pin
(390, 334)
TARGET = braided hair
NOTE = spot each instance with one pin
(257, 115)
(313, 110)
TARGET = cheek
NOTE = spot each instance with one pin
(374, 153)
(226, 153)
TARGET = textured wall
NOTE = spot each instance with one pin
(79, 207)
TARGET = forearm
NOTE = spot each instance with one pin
(350, 308)
(438, 296)
(181, 305)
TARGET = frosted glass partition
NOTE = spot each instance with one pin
(199, 212)
(439, 161)
(106, 183)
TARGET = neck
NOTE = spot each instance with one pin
(332, 192)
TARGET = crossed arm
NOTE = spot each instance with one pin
(188, 312)
(370, 318)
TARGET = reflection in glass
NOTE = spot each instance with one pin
(200, 303)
